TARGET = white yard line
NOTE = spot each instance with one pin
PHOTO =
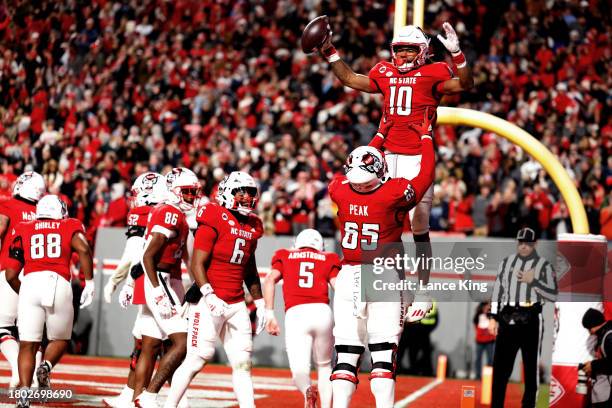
(417, 394)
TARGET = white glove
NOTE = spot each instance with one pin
(417, 311)
(260, 315)
(109, 288)
(217, 306)
(88, 293)
(272, 323)
(126, 295)
(162, 303)
(451, 42)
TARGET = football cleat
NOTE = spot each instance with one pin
(312, 396)
(43, 374)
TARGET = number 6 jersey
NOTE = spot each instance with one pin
(43, 245)
(231, 244)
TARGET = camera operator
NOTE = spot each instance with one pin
(600, 369)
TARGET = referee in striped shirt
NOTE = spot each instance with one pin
(524, 281)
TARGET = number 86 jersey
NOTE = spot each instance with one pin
(368, 220)
(231, 242)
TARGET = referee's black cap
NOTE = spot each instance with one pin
(526, 234)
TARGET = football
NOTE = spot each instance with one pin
(315, 34)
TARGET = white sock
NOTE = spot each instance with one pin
(324, 386)
(181, 379)
(301, 379)
(383, 390)
(342, 393)
(126, 394)
(147, 396)
(10, 349)
(243, 387)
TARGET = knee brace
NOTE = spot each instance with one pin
(8, 333)
(135, 354)
(384, 360)
(348, 360)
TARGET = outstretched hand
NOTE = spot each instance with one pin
(451, 42)
(384, 126)
(426, 128)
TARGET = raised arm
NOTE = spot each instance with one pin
(465, 80)
(343, 72)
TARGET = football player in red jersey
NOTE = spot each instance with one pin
(410, 84)
(148, 190)
(224, 260)
(164, 250)
(371, 211)
(43, 248)
(306, 272)
(27, 190)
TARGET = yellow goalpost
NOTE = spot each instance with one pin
(477, 119)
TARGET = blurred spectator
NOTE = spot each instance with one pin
(479, 211)
(485, 341)
(110, 89)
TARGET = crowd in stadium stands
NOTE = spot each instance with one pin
(94, 93)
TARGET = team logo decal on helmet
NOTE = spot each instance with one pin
(365, 168)
(149, 188)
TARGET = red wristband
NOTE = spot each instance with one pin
(459, 60)
(330, 54)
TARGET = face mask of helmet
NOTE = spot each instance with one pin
(245, 199)
(413, 37)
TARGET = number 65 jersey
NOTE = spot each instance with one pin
(43, 245)
(368, 220)
(230, 242)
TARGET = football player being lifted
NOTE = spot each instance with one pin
(148, 190)
(27, 190)
(43, 248)
(224, 260)
(307, 271)
(164, 250)
(371, 211)
(410, 84)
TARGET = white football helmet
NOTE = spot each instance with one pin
(51, 206)
(412, 36)
(365, 168)
(30, 185)
(309, 238)
(149, 188)
(238, 182)
(183, 188)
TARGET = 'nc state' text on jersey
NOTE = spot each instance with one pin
(403, 81)
(358, 210)
(242, 233)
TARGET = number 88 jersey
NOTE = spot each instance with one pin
(43, 245)
(230, 242)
